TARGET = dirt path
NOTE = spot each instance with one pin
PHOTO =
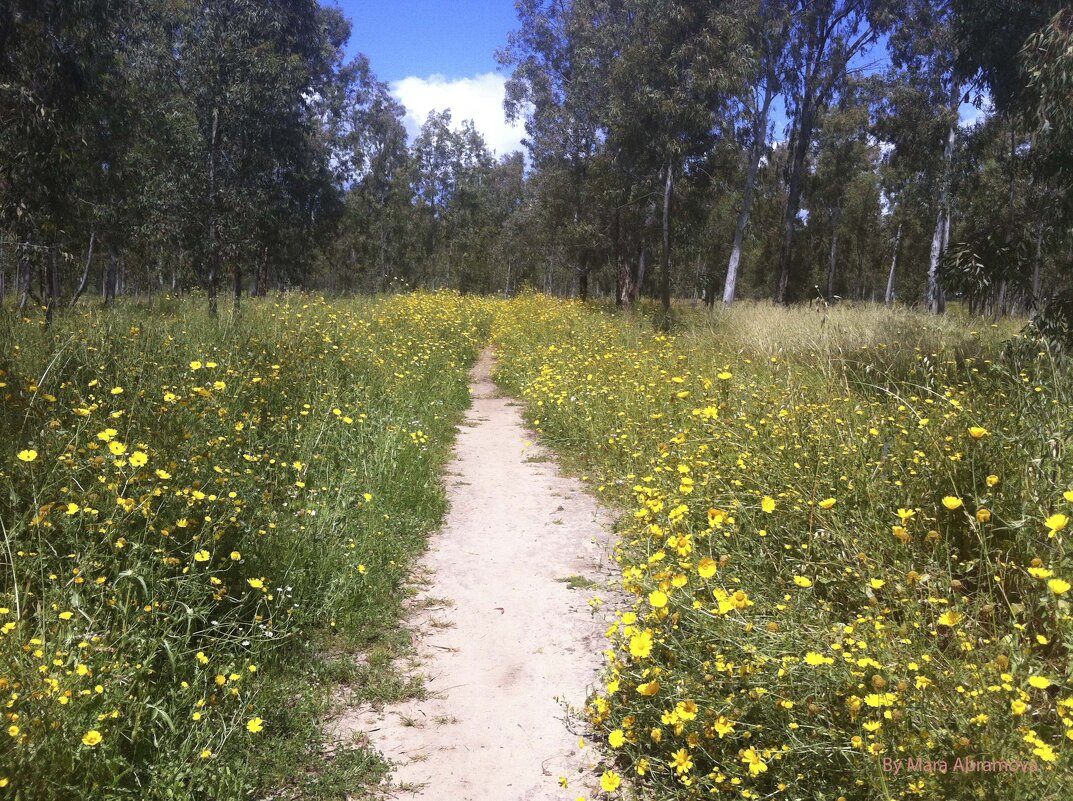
(514, 638)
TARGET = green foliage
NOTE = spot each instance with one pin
(843, 536)
(990, 35)
(1055, 321)
(193, 515)
(165, 145)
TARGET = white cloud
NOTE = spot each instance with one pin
(479, 98)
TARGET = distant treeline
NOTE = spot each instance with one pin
(790, 149)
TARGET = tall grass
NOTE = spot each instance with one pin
(844, 532)
(192, 512)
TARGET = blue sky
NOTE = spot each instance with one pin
(438, 54)
(454, 38)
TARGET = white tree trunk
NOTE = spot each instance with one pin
(888, 298)
(757, 152)
(941, 235)
(934, 300)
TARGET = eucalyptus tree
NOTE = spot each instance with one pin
(554, 87)
(472, 219)
(55, 107)
(669, 68)
(769, 30)
(371, 152)
(245, 106)
(1047, 60)
(433, 183)
(843, 171)
(506, 191)
(909, 200)
(991, 35)
(922, 120)
(983, 264)
(451, 180)
(825, 38)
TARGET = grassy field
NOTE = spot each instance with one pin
(200, 523)
(844, 534)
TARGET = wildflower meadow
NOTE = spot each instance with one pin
(536, 400)
(843, 543)
(840, 564)
(195, 517)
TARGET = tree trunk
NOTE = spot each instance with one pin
(109, 280)
(214, 310)
(941, 236)
(946, 243)
(622, 275)
(1037, 271)
(53, 282)
(155, 275)
(755, 154)
(583, 283)
(1013, 180)
(385, 269)
(23, 277)
(665, 273)
(934, 299)
(262, 278)
(787, 289)
(625, 282)
(85, 273)
(642, 273)
(237, 285)
(638, 283)
(836, 215)
(888, 298)
(946, 227)
(214, 234)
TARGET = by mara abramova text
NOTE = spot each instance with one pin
(958, 765)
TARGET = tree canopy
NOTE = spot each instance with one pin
(843, 149)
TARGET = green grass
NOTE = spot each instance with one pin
(578, 583)
(279, 472)
(761, 458)
(277, 476)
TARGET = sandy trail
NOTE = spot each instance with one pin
(511, 643)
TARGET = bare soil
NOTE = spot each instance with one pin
(506, 632)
